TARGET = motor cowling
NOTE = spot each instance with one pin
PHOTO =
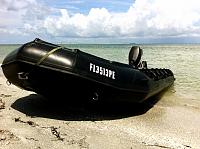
(134, 57)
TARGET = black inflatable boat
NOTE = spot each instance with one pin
(56, 71)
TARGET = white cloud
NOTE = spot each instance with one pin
(144, 18)
(16, 5)
(16, 14)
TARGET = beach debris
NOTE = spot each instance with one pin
(5, 95)
(56, 133)
(187, 146)
(167, 147)
(33, 139)
(81, 142)
(6, 136)
(2, 104)
(31, 123)
(191, 106)
(157, 145)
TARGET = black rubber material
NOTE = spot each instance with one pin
(71, 72)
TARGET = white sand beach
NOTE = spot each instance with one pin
(28, 121)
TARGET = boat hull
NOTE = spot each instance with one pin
(77, 76)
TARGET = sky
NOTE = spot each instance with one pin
(100, 21)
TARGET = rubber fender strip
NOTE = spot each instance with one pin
(47, 54)
(37, 40)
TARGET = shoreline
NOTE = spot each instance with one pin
(28, 121)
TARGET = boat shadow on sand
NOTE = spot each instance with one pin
(35, 105)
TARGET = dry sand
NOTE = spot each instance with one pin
(29, 121)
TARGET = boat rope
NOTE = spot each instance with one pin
(47, 54)
(24, 75)
(8, 83)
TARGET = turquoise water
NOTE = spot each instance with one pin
(183, 60)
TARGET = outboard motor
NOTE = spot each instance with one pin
(135, 56)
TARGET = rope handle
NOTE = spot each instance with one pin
(47, 54)
(24, 76)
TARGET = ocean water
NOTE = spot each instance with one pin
(183, 60)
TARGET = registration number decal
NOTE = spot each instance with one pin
(102, 71)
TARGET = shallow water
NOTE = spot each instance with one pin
(183, 60)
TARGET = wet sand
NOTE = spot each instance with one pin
(30, 121)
